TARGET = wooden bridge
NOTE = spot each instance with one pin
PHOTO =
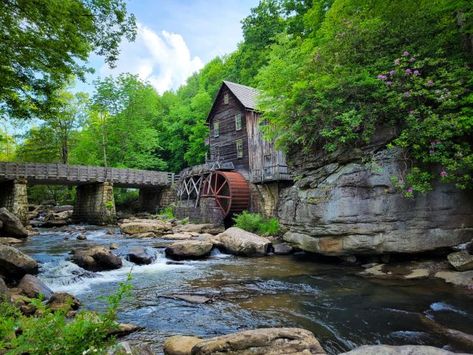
(62, 174)
(95, 199)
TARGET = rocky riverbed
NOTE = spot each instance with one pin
(223, 294)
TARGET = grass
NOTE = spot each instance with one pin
(256, 223)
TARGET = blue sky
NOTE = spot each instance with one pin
(176, 38)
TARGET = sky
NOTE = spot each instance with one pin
(175, 38)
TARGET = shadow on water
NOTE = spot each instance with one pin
(342, 309)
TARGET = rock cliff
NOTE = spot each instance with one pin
(346, 204)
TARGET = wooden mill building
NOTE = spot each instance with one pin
(243, 171)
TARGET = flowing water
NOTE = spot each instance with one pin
(342, 309)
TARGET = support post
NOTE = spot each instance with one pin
(152, 199)
(14, 197)
(95, 204)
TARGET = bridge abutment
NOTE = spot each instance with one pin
(95, 204)
(152, 199)
(14, 197)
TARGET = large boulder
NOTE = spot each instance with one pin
(199, 228)
(189, 249)
(240, 242)
(346, 205)
(398, 350)
(62, 300)
(141, 256)
(14, 264)
(180, 345)
(141, 226)
(462, 260)
(265, 341)
(32, 287)
(12, 226)
(96, 258)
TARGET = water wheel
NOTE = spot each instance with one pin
(229, 189)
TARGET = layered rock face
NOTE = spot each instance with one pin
(346, 204)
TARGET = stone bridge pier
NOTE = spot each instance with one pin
(13, 196)
(95, 204)
(153, 199)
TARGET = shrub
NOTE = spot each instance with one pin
(49, 332)
(256, 223)
(167, 212)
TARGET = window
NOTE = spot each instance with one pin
(225, 99)
(216, 129)
(238, 121)
(239, 148)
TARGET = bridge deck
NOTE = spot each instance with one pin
(61, 174)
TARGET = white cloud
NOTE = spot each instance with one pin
(162, 59)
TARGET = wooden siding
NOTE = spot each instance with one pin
(223, 147)
(265, 162)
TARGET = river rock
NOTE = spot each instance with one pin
(398, 350)
(11, 241)
(189, 249)
(97, 258)
(462, 260)
(11, 225)
(123, 329)
(342, 205)
(264, 341)
(199, 228)
(140, 256)
(14, 264)
(464, 278)
(81, 237)
(180, 345)
(139, 226)
(282, 249)
(60, 300)
(32, 287)
(240, 242)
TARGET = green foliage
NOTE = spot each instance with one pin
(167, 212)
(256, 223)
(45, 43)
(7, 146)
(328, 84)
(49, 332)
(123, 196)
(61, 195)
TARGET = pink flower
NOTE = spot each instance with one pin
(408, 71)
(406, 54)
(392, 72)
(416, 72)
(443, 173)
(410, 190)
(382, 77)
(430, 83)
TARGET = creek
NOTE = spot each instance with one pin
(342, 309)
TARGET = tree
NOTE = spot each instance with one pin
(44, 43)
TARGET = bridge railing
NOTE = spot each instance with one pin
(82, 174)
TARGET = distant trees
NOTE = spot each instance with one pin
(44, 43)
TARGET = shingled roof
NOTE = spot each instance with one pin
(245, 94)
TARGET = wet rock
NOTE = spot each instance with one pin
(114, 246)
(139, 226)
(97, 258)
(178, 236)
(193, 298)
(125, 329)
(341, 206)
(32, 287)
(263, 341)
(141, 256)
(180, 345)
(81, 237)
(11, 225)
(282, 249)
(11, 241)
(418, 274)
(398, 350)
(14, 264)
(62, 300)
(199, 228)
(462, 260)
(457, 278)
(57, 219)
(349, 259)
(189, 249)
(240, 242)
(63, 208)
(3, 289)
(23, 303)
